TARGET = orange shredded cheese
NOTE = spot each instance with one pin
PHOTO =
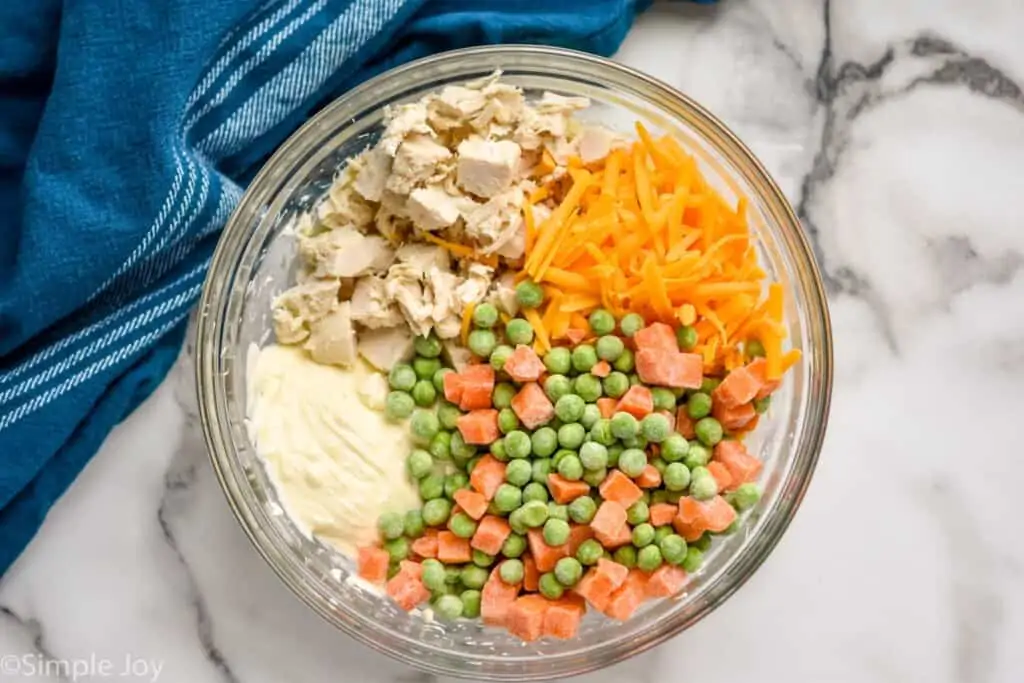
(467, 323)
(462, 250)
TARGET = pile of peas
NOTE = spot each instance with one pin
(578, 443)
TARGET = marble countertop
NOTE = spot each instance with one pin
(897, 129)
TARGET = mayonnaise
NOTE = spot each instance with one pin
(337, 464)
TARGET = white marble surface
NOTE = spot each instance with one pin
(897, 128)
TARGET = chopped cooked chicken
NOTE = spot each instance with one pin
(345, 252)
(385, 347)
(423, 257)
(487, 167)
(488, 223)
(332, 338)
(503, 294)
(431, 208)
(403, 120)
(458, 356)
(373, 176)
(416, 161)
(443, 284)
(475, 286)
(594, 143)
(403, 286)
(371, 306)
(344, 207)
(297, 308)
(453, 106)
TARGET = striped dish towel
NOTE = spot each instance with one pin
(127, 133)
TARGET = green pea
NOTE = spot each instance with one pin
(591, 414)
(390, 525)
(643, 535)
(615, 385)
(556, 511)
(485, 315)
(708, 430)
(753, 348)
(634, 379)
(482, 343)
(500, 354)
(398, 406)
(502, 395)
(626, 362)
(455, 482)
(519, 472)
(761, 405)
(571, 435)
(529, 294)
(601, 432)
(428, 347)
(698, 405)
(398, 549)
(549, 586)
(541, 470)
(694, 558)
(631, 323)
(703, 543)
(438, 379)
(431, 486)
(625, 555)
(448, 415)
(589, 552)
(638, 513)
(436, 511)
(448, 607)
(402, 377)
(663, 399)
(582, 510)
(593, 456)
(413, 523)
(614, 451)
(568, 571)
(697, 455)
(649, 558)
(514, 545)
(624, 426)
(686, 336)
(556, 532)
(535, 492)
(584, 357)
(588, 387)
(424, 393)
(424, 425)
(518, 331)
(601, 322)
(746, 496)
(676, 477)
(673, 448)
(571, 468)
(517, 444)
(462, 525)
(702, 484)
(498, 451)
(508, 421)
(419, 464)
(508, 497)
(569, 408)
(660, 465)
(392, 570)
(609, 348)
(558, 360)
(481, 560)
(452, 575)
(632, 462)
(655, 428)
(709, 384)
(661, 532)
(557, 386)
(426, 368)
(595, 477)
(511, 571)
(534, 513)
(433, 576)
(673, 549)
(441, 446)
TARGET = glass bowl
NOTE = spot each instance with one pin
(254, 260)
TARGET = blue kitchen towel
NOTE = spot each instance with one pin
(127, 131)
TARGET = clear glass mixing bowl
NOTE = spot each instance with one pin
(253, 263)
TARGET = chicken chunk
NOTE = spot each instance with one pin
(385, 347)
(416, 162)
(431, 208)
(594, 143)
(345, 252)
(371, 306)
(332, 339)
(373, 174)
(487, 167)
(503, 294)
(297, 308)
(404, 287)
(423, 257)
(401, 121)
(473, 289)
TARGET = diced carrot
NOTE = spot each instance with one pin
(718, 514)
(565, 491)
(479, 427)
(607, 406)
(739, 386)
(741, 465)
(577, 534)
(525, 617)
(530, 574)
(545, 556)
(477, 385)
(721, 474)
(685, 424)
(453, 387)
(373, 564)
(668, 415)
(662, 513)
(496, 598)
(487, 476)
(670, 368)
(665, 581)
(609, 521)
(759, 368)
(524, 365)
(473, 503)
(601, 369)
(575, 335)
(695, 516)
(650, 478)
(406, 587)
(490, 534)
(656, 336)
(637, 401)
(619, 488)
(562, 619)
(734, 419)
(595, 589)
(627, 597)
(532, 406)
(621, 537)
(426, 545)
(451, 549)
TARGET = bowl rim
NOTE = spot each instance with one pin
(214, 298)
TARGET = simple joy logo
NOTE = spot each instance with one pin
(93, 667)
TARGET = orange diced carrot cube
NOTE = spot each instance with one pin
(373, 564)
(490, 535)
(619, 488)
(451, 549)
(565, 491)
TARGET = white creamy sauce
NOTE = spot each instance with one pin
(337, 464)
